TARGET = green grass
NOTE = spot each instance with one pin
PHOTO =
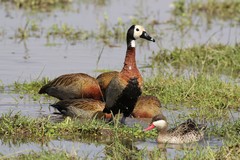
(214, 59)
(46, 155)
(31, 29)
(18, 126)
(225, 10)
(28, 88)
(67, 32)
(106, 32)
(206, 97)
(221, 9)
(198, 91)
(122, 138)
(230, 150)
(39, 5)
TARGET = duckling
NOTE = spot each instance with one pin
(125, 88)
(186, 132)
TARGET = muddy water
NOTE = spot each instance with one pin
(32, 59)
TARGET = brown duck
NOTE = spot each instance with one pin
(82, 108)
(125, 88)
(146, 107)
(186, 132)
(73, 86)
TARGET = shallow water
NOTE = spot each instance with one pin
(74, 148)
(33, 59)
(95, 148)
(84, 147)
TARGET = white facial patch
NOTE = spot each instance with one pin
(138, 30)
(160, 123)
(130, 67)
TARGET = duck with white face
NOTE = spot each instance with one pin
(124, 89)
(186, 132)
(136, 32)
(120, 90)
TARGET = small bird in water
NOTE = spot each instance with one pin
(186, 132)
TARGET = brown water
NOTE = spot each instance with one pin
(32, 59)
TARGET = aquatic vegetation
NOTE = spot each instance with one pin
(230, 151)
(1, 86)
(212, 59)
(31, 29)
(39, 5)
(107, 32)
(121, 143)
(207, 96)
(226, 10)
(229, 130)
(211, 95)
(221, 9)
(45, 154)
(67, 32)
(115, 150)
(43, 128)
(28, 88)
(204, 94)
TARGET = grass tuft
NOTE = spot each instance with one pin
(39, 5)
(208, 97)
(214, 59)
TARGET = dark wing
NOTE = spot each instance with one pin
(113, 92)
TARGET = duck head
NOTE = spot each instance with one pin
(135, 32)
(159, 122)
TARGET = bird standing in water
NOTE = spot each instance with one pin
(124, 89)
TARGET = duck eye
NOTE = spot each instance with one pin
(137, 29)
